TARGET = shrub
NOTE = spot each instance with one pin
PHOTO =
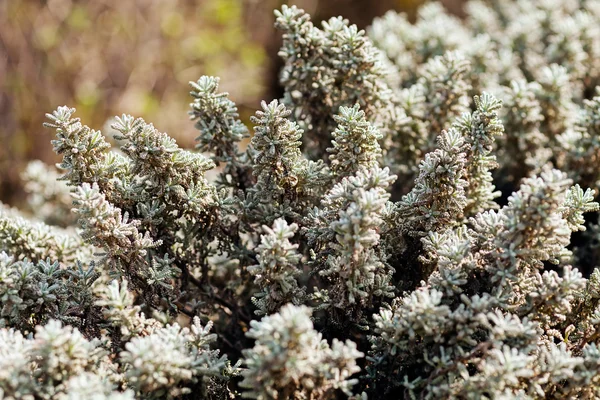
(406, 222)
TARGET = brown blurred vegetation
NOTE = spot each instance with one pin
(108, 57)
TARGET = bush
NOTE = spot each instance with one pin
(406, 222)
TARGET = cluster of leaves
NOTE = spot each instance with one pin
(357, 247)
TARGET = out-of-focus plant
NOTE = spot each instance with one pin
(112, 57)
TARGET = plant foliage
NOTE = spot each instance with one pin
(415, 218)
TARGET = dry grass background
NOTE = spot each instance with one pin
(107, 57)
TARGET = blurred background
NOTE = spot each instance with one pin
(108, 57)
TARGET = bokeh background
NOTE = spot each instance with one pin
(108, 57)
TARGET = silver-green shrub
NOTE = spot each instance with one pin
(416, 217)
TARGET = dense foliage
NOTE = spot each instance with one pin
(415, 218)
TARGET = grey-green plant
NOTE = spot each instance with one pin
(416, 217)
